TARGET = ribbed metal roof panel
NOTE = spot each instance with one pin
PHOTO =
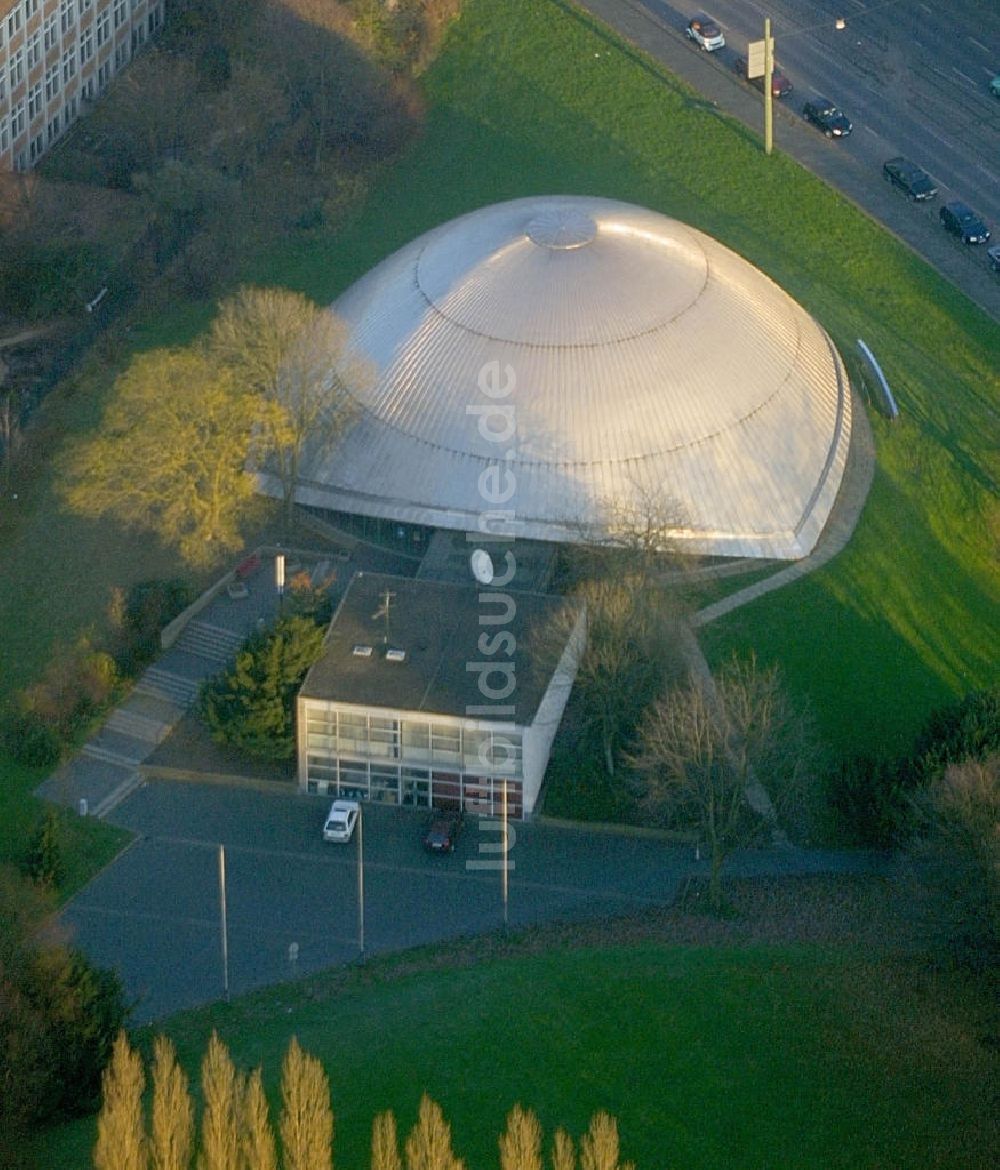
(648, 362)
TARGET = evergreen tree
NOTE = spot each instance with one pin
(306, 1117)
(121, 1128)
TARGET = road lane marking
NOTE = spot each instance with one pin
(978, 44)
(961, 74)
(980, 167)
(872, 132)
(926, 9)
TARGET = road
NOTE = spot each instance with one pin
(911, 76)
(154, 913)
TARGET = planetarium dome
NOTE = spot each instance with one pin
(608, 359)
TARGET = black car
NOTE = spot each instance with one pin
(827, 117)
(912, 180)
(959, 219)
(442, 833)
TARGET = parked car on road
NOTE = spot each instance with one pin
(959, 219)
(442, 833)
(995, 86)
(993, 256)
(705, 33)
(907, 177)
(780, 85)
(341, 820)
(824, 114)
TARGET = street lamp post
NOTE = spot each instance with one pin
(768, 95)
(361, 880)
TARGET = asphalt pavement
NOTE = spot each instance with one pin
(852, 166)
(155, 916)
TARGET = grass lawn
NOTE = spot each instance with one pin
(780, 1056)
(529, 96)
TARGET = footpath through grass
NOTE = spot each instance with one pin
(789, 1056)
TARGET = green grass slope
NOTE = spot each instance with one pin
(530, 96)
(728, 1057)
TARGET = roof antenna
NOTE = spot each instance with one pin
(383, 611)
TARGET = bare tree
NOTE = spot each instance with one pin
(292, 353)
(521, 1142)
(306, 1117)
(625, 659)
(385, 1144)
(172, 1131)
(701, 745)
(121, 1128)
(428, 1146)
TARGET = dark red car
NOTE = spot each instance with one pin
(442, 833)
(780, 85)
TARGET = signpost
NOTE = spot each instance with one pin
(760, 63)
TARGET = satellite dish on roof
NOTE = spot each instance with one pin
(481, 564)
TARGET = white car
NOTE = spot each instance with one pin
(340, 820)
(706, 33)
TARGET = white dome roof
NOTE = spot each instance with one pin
(638, 361)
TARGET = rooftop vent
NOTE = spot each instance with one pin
(360, 651)
(392, 655)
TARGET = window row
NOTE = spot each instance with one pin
(59, 25)
(413, 739)
(420, 787)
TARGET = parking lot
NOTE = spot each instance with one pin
(154, 914)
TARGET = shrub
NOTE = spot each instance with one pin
(968, 729)
(30, 740)
(43, 863)
(149, 606)
(251, 706)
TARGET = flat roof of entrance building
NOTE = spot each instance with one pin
(449, 649)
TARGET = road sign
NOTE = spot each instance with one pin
(755, 58)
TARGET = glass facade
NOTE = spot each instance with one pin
(411, 759)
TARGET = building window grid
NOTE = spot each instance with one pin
(30, 8)
(4, 137)
(50, 32)
(17, 121)
(86, 45)
(67, 14)
(15, 69)
(52, 131)
(3, 82)
(69, 64)
(52, 86)
(378, 736)
(103, 26)
(34, 101)
(13, 23)
(34, 49)
(119, 13)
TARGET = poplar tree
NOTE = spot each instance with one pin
(221, 1091)
(172, 1134)
(385, 1144)
(563, 1153)
(521, 1143)
(121, 1128)
(256, 1136)
(599, 1145)
(429, 1145)
(306, 1117)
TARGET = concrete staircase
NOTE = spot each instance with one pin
(215, 643)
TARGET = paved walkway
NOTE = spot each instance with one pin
(859, 474)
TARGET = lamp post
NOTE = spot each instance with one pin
(361, 879)
(768, 95)
(223, 926)
(279, 579)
